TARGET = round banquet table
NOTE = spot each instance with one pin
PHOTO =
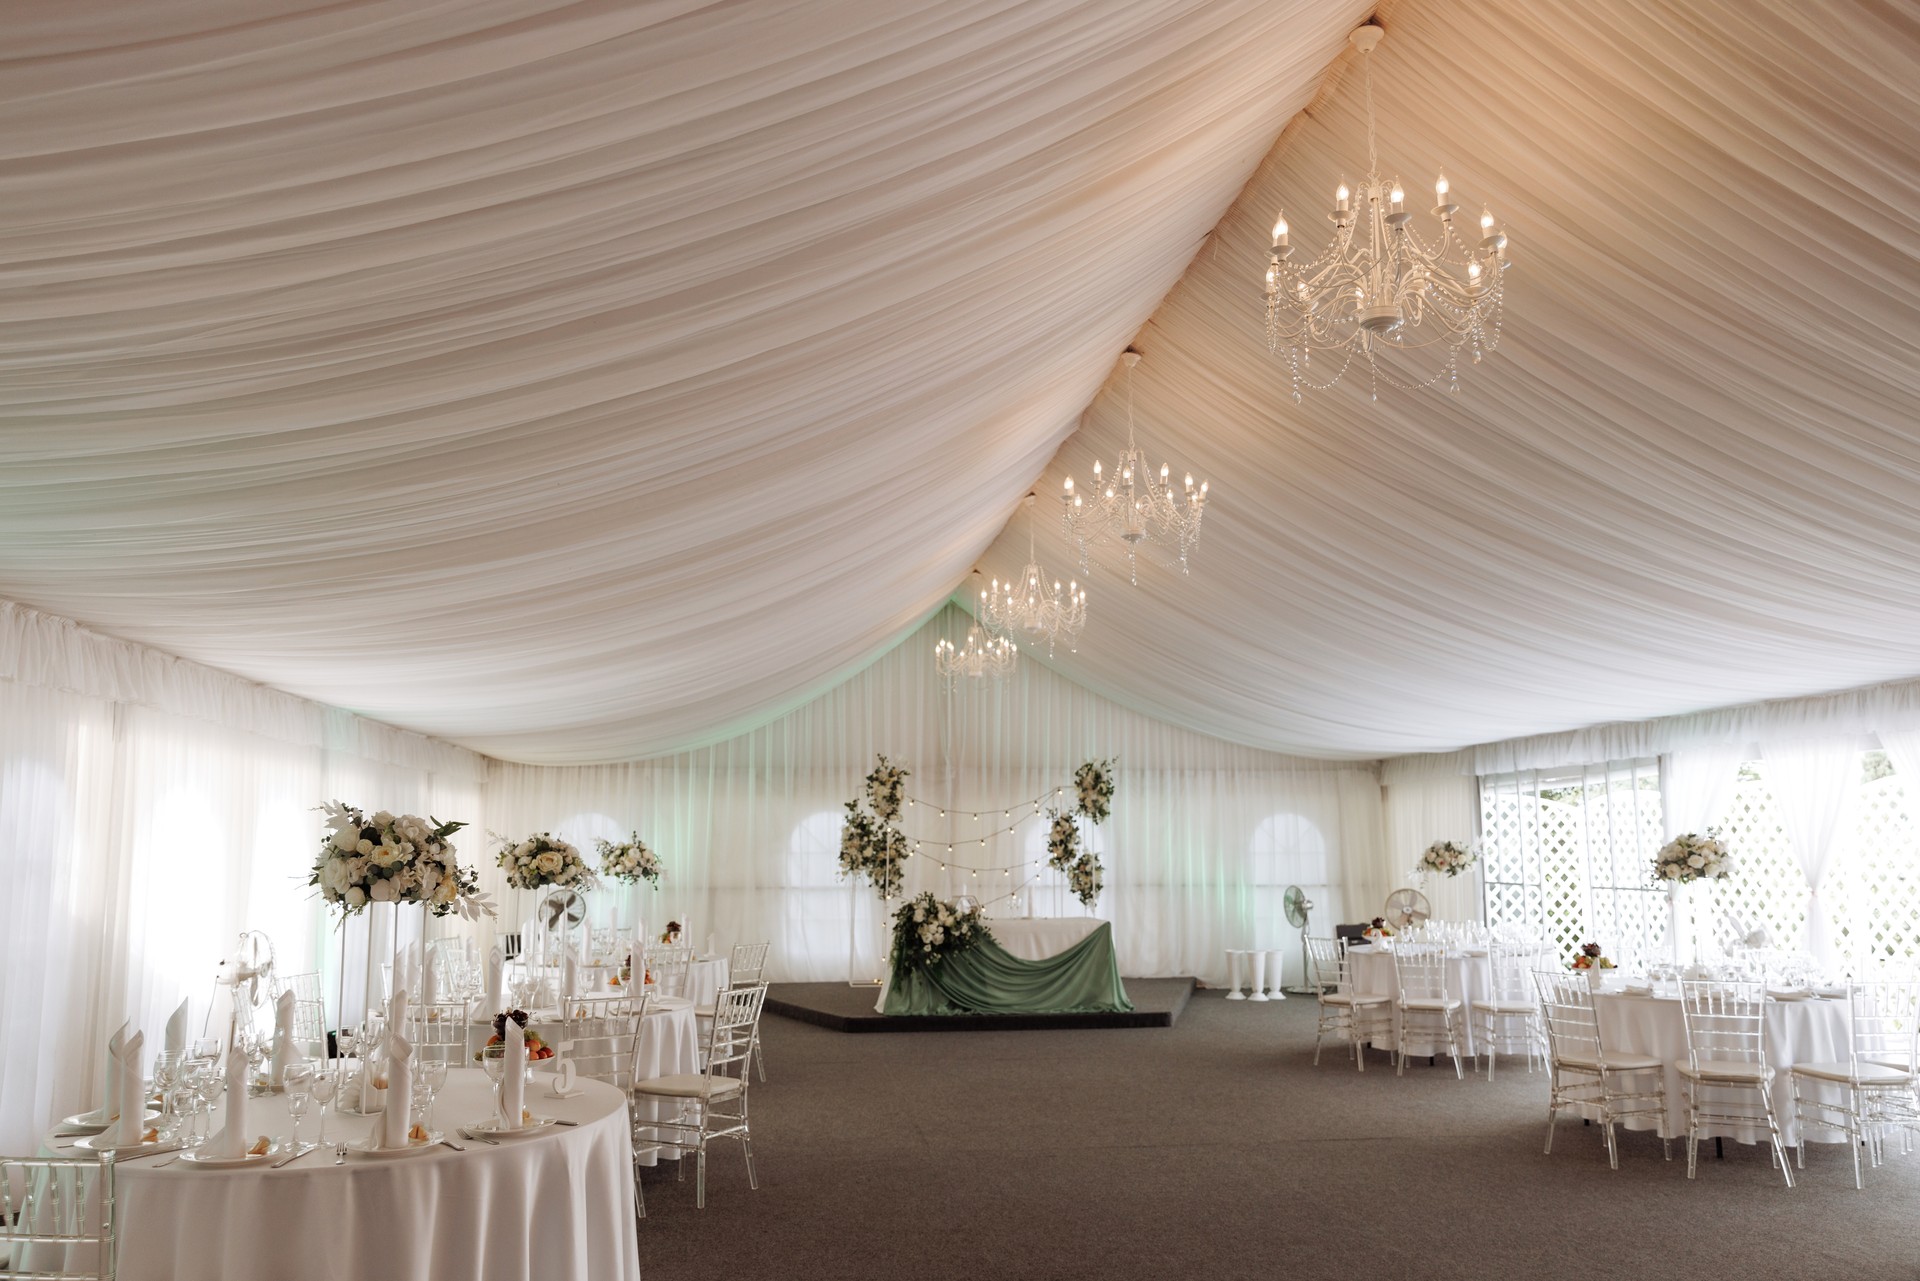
(1813, 1030)
(556, 1204)
(706, 980)
(1469, 977)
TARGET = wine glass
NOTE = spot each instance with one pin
(433, 1076)
(166, 1070)
(322, 1088)
(298, 1080)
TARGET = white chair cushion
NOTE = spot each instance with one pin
(1430, 1003)
(1870, 1073)
(1615, 1062)
(1725, 1070)
(703, 1011)
(1348, 998)
(1504, 1007)
(688, 1085)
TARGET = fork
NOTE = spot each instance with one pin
(340, 1154)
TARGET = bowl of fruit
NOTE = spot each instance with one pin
(537, 1049)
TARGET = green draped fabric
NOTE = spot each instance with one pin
(986, 979)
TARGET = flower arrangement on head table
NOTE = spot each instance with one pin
(1590, 958)
(629, 860)
(393, 858)
(926, 930)
(1693, 857)
(1450, 858)
(545, 859)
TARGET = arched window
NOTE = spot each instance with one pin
(816, 909)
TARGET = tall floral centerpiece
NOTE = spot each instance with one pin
(1692, 857)
(544, 859)
(629, 861)
(873, 850)
(1446, 858)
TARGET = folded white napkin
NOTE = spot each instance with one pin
(496, 979)
(233, 1139)
(429, 986)
(513, 1077)
(394, 1122)
(713, 945)
(175, 1047)
(402, 971)
(110, 1076)
(569, 985)
(129, 1101)
(282, 1038)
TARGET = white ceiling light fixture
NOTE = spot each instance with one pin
(1133, 504)
(1378, 286)
(1037, 608)
(986, 655)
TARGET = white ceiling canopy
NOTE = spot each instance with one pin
(578, 381)
(1690, 476)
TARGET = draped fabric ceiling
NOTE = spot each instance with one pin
(584, 381)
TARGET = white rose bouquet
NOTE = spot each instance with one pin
(544, 859)
(629, 860)
(872, 849)
(886, 789)
(1093, 789)
(1447, 857)
(1063, 840)
(1692, 857)
(1086, 878)
(927, 931)
(393, 858)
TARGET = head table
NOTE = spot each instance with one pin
(558, 1204)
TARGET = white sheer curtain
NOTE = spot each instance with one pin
(150, 810)
(1203, 840)
(1811, 781)
(1696, 786)
(1421, 808)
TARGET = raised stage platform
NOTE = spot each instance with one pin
(1156, 1003)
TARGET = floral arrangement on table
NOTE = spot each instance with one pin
(927, 931)
(886, 789)
(1589, 958)
(629, 861)
(1450, 858)
(1093, 790)
(1378, 929)
(545, 859)
(670, 935)
(393, 858)
(1693, 857)
(536, 1048)
(872, 848)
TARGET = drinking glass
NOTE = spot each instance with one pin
(322, 1088)
(298, 1080)
(433, 1076)
(166, 1070)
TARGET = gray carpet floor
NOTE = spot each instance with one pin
(1216, 1149)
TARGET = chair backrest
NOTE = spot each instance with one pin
(1510, 972)
(669, 963)
(747, 963)
(605, 1048)
(1886, 1022)
(736, 1020)
(1726, 1021)
(441, 1032)
(57, 1217)
(1327, 965)
(1420, 972)
(1566, 1007)
(605, 1005)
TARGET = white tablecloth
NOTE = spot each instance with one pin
(559, 1204)
(1810, 1031)
(1469, 978)
(1030, 938)
(706, 979)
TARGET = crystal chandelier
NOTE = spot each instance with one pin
(984, 657)
(1036, 608)
(1133, 505)
(1378, 286)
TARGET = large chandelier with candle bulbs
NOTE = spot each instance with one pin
(1379, 286)
(1134, 504)
(1036, 609)
(986, 656)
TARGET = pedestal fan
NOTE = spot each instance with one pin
(1407, 907)
(1299, 909)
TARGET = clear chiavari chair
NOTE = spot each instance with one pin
(669, 963)
(715, 1098)
(1344, 1010)
(442, 1032)
(309, 1013)
(1726, 1025)
(1583, 1072)
(1511, 1006)
(57, 1218)
(746, 966)
(1876, 1081)
(1426, 1003)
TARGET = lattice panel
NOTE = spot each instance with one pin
(1873, 888)
(1767, 886)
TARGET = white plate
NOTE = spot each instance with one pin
(363, 1148)
(92, 1143)
(539, 1125)
(1788, 994)
(205, 1162)
(93, 1123)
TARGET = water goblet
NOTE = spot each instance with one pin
(434, 1077)
(322, 1088)
(166, 1070)
(298, 1080)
